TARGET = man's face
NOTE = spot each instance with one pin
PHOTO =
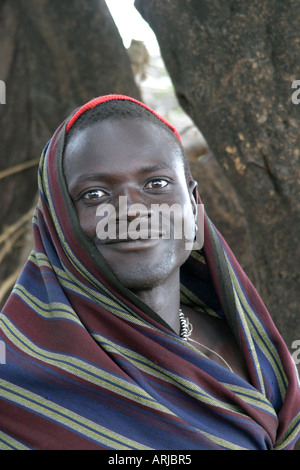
(141, 163)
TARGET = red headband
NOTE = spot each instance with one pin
(103, 99)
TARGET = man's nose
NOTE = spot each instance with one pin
(131, 204)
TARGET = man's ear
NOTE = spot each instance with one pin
(199, 215)
(194, 196)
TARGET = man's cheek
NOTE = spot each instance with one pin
(88, 223)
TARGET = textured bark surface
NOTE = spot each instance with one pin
(232, 65)
(54, 56)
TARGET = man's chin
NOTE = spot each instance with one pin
(144, 266)
(145, 280)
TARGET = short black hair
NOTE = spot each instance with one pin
(122, 109)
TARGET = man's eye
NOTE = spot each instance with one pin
(156, 184)
(94, 194)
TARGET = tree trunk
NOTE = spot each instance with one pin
(54, 56)
(232, 65)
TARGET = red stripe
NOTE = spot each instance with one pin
(39, 433)
(103, 99)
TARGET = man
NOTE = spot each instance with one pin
(126, 339)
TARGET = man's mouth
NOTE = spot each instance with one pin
(134, 237)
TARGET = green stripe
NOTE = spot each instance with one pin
(251, 345)
(67, 418)
(7, 442)
(187, 297)
(55, 310)
(261, 338)
(290, 434)
(149, 367)
(222, 442)
(225, 284)
(69, 282)
(80, 368)
(252, 397)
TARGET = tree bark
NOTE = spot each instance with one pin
(54, 56)
(232, 65)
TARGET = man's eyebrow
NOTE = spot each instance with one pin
(96, 176)
(91, 177)
(104, 175)
(150, 168)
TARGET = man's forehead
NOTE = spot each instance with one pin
(124, 140)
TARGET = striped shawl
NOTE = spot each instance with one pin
(89, 366)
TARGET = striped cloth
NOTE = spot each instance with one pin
(89, 366)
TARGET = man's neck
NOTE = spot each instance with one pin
(164, 299)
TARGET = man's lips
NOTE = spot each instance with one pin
(128, 237)
(127, 242)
